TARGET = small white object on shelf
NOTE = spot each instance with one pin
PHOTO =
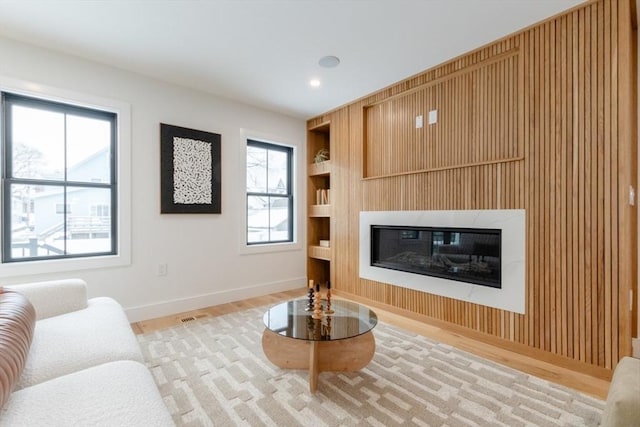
(322, 196)
(324, 243)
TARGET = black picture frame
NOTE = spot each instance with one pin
(190, 170)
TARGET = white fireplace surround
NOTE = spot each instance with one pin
(510, 297)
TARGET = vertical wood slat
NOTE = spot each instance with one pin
(593, 190)
(600, 282)
(545, 255)
(615, 283)
(608, 298)
(555, 111)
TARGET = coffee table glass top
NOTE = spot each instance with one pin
(349, 319)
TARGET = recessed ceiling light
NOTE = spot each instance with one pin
(329, 61)
(314, 82)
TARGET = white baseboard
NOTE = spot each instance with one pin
(166, 308)
(635, 344)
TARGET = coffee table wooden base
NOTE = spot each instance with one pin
(345, 355)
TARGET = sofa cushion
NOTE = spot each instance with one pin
(17, 320)
(55, 297)
(67, 343)
(113, 394)
(623, 401)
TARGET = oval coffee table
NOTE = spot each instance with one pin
(339, 342)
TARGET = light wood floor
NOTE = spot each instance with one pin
(579, 381)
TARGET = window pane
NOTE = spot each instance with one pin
(257, 219)
(278, 172)
(88, 149)
(37, 143)
(39, 230)
(42, 225)
(256, 170)
(279, 218)
(87, 232)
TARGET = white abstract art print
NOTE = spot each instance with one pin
(191, 171)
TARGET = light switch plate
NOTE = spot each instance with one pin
(433, 117)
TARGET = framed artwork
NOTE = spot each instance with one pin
(189, 170)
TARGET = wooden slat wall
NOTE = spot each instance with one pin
(341, 195)
(541, 120)
(477, 110)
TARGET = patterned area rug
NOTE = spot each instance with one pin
(212, 372)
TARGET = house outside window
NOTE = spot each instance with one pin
(60, 161)
(100, 210)
(269, 193)
(61, 208)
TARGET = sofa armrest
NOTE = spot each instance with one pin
(623, 401)
(54, 297)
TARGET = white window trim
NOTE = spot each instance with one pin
(243, 247)
(123, 111)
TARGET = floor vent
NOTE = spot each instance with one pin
(191, 318)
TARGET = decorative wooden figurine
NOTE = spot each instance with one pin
(310, 294)
(317, 303)
(329, 310)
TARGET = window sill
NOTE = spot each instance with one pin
(29, 268)
(269, 248)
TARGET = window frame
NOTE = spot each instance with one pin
(9, 99)
(14, 271)
(289, 195)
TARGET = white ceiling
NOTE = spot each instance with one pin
(264, 52)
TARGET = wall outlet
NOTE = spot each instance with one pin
(162, 269)
(418, 122)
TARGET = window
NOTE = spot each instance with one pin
(60, 161)
(100, 210)
(269, 193)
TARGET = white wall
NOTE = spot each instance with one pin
(205, 266)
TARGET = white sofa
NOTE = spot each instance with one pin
(623, 401)
(84, 366)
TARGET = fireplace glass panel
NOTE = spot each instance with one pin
(463, 254)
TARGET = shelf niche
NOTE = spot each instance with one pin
(319, 208)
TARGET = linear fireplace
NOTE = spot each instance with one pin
(469, 255)
(476, 256)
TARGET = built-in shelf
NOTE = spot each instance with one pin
(320, 169)
(319, 210)
(319, 252)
